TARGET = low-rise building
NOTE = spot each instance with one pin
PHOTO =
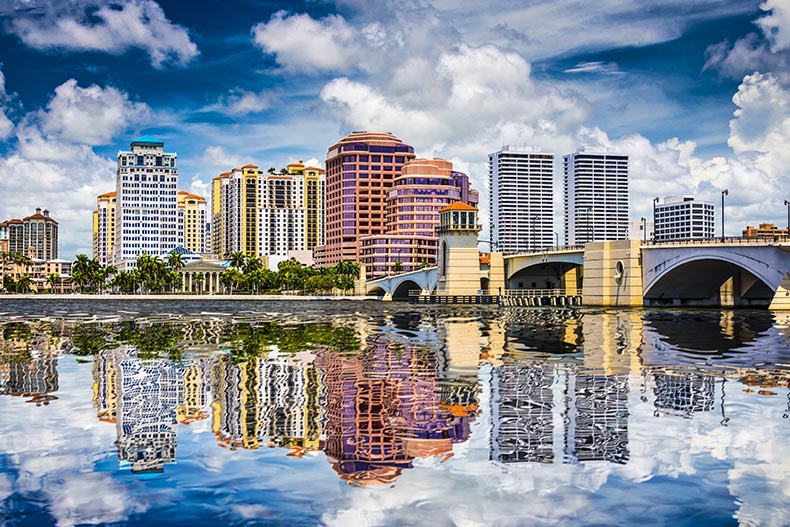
(683, 218)
(764, 230)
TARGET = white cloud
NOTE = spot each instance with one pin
(91, 116)
(543, 29)
(301, 43)
(762, 124)
(604, 68)
(113, 29)
(776, 25)
(242, 102)
(6, 126)
(753, 53)
(52, 163)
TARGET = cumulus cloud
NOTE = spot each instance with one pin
(762, 123)
(301, 43)
(52, 163)
(91, 116)
(769, 52)
(91, 26)
(776, 25)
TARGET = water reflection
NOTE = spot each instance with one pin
(587, 399)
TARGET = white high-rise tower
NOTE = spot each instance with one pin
(596, 196)
(521, 180)
(146, 187)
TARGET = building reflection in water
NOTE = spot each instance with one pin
(386, 407)
(36, 377)
(148, 395)
(560, 384)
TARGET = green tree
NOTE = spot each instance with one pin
(231, 278)
(237, 259)
(53, 279)
(175, 261)
(24, 283)
(9, 284)
(397, 266)
(346, 271)
(292, 275)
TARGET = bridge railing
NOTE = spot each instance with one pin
(564, 248)
(727, 240)
(529, 293)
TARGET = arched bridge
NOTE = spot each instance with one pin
(398, 286)
(736, 272)
(548, 269)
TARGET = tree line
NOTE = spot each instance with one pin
(152, 274)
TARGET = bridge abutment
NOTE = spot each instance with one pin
(613, 273)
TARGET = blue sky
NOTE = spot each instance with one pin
(698, 93)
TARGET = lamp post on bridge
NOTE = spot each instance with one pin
(644, 230)
(557, 236)
(724, 192)
(787, 204)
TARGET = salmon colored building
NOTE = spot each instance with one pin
(413, 203)
(360, 171)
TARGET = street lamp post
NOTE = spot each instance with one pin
(724, 192)
(787, 204)
(644, 230)
(557, 237)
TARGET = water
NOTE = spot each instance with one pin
(362, 413)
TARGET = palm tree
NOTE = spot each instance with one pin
(21, 259)
(175, 261)
(397, 267)
(23, 284)
(231, 278)
(347, 271)
(237, 259)
(52, 279)
(79, 270)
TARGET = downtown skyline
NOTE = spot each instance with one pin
(697, 95)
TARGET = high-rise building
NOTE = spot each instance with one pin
(683, 218)
(521, 180)
(15, 236)
(35, 236)
(424, 187)
(192, 218)
(146, 185)
(191, 230)
(104, 227)
(267, 213)
(596, 195)
(361, 169)
(235, 211)
(291, 210)
(3, 237)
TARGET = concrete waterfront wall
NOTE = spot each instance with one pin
(612, 273)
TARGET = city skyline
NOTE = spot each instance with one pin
(696, 95)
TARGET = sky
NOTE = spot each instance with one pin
(696, 92)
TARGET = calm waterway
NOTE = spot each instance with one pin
(362, 413)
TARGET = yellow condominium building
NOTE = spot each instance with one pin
(192, 217)
(104, 227)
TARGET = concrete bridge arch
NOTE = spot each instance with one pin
(399, 286)
(545, 270)
(712, 275)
